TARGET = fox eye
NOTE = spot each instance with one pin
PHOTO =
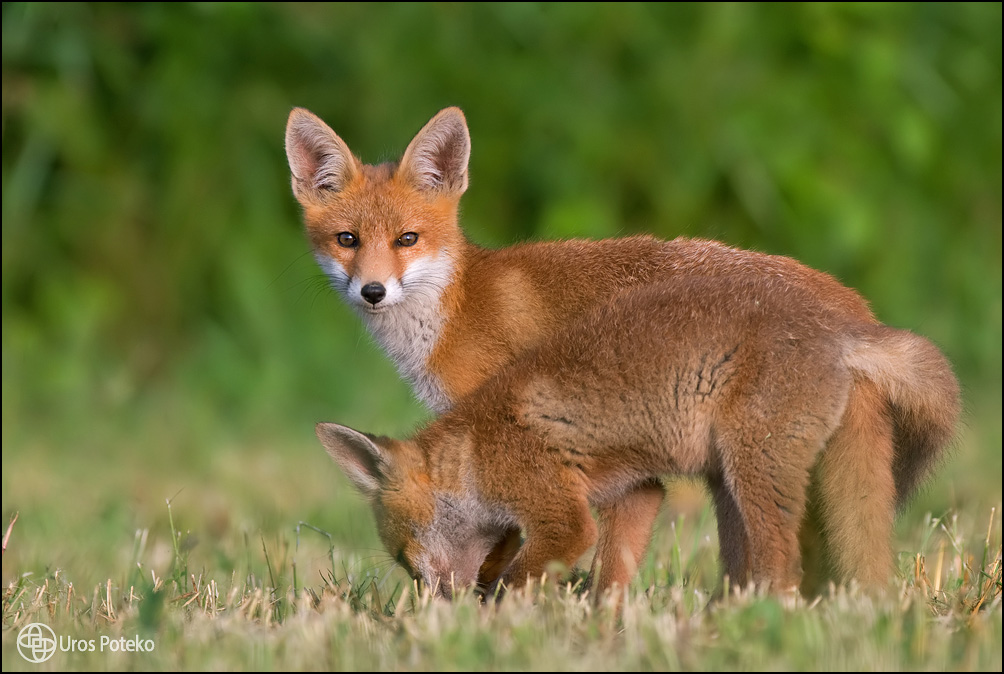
(347, 240)
(408, 239)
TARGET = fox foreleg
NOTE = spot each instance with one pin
(625, 527)
(566, 533)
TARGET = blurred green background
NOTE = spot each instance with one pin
(165, 327)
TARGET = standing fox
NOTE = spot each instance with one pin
(741, 379)
(451, 315)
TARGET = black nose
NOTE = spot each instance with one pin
(373, 292)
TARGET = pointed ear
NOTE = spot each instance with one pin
(436, 160)
(359, 455)
(319, 160)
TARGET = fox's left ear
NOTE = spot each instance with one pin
(436, 160)
(359, 455)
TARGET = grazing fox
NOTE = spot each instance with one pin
(743, 379)
(452, 314)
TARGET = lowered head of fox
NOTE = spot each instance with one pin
(750, 382)
(435, 536)
(382, 234)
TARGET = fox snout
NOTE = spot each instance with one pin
(373, 292)
(366, 288)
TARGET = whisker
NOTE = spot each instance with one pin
(316, 284)
(288, 267)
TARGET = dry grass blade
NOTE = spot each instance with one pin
(10, 527)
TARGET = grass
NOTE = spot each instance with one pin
(219, 576)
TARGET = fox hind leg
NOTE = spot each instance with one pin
(766, 474)
(733, 543)
(816, 567)
(857, 490)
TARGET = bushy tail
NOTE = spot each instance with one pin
(922, 395)
(900, 417)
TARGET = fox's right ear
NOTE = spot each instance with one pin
(358, 454)
(319, 160)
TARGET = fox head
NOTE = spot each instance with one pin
(382, 234)
(438, 535)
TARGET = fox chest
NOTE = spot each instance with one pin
(409, 333)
